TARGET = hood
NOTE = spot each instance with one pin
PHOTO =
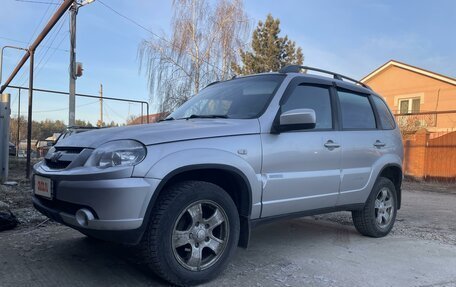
(167, 131)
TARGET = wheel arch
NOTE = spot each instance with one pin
(394, 173)
(229, 178)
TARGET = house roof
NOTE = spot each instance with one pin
(411, 68)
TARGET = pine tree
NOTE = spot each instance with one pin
(269, 51)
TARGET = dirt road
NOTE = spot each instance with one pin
(314, 251)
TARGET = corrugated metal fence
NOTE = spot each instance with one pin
(429, 144)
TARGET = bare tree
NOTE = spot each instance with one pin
(411, 123)
(200, 50)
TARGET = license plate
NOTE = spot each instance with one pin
(43, 187)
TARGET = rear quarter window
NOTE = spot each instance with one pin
(386, 118)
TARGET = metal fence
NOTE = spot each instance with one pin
(144, 108)
(429, 145)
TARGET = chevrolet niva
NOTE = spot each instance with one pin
(242, 152)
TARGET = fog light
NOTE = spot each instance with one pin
(83, 216)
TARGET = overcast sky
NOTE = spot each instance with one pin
(350, 37)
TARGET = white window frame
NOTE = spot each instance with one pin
(410, 104)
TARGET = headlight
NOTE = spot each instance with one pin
(117, 153)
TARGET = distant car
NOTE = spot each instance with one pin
(42, 147)
(72, 130)
(12, 149)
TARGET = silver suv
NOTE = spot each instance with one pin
(242, 152)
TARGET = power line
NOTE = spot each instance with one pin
(47, 50)
(114, 112)
(64, 109)
(37, 2)
(39, 24)
(33, 34)
(151, 32)
(53, 35)
(25, 42)
(51, 55)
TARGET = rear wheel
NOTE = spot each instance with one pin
(377, 217)
(192, 233)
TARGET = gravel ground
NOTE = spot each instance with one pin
(322, 250)
(425, 214)
(17, 198)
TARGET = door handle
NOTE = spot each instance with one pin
(331, 145)
(379, 144)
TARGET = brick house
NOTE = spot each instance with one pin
(409, 90)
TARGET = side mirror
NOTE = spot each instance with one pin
(297, 119)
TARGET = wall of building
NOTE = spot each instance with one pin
(396, 83)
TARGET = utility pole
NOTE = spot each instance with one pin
(73, 73)
(100, 123)
(72, 97)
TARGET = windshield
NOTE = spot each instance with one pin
(242, 98)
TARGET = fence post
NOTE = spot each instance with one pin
(418, 155)
(5, 113)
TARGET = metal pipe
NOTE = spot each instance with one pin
(428, 113)
(147, 105)
(54, 19)
(18, 123)
(30, 111)
(1, 57)
(80, 95)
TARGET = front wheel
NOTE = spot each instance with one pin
(377, 217)
(192, 233)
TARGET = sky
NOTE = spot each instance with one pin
(351, 37)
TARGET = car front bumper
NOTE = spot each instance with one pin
(117, 204)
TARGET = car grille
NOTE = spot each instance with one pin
(62, 157)
(61, 164)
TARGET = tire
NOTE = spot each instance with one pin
(377, 217)
(172, 242)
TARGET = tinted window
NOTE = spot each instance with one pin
(384, 114)
(356, 111)
(241, 98)
(311, 97)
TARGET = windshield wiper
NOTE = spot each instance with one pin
(206, 117)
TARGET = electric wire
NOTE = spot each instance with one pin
(25, 42)
(23, 77)
(42, 53)
(151, 32)
(37, 2)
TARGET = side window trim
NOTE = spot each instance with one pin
(378, 123)
(336, 109)
(368, 96)
(300, 82)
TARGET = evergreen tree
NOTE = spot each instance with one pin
(269, 51)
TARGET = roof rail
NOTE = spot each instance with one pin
(299, 68)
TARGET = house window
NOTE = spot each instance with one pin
(409, 106)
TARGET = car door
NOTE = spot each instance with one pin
(301, 168)
(362, 144)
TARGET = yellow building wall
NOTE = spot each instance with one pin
(395, 83)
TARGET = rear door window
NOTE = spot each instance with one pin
(356, 110)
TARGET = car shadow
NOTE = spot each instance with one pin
(93, 262)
